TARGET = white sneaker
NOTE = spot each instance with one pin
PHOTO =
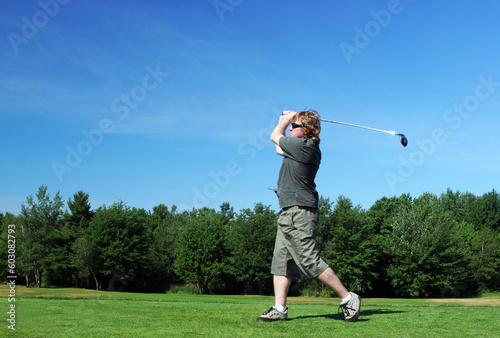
(351, 308)
(272, 315)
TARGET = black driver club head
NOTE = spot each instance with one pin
(403, 139)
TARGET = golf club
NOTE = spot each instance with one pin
(402, 138)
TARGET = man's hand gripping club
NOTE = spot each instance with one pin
(286, 118)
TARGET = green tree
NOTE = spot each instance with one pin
(382, 214)
(201, 250)
(58, 266)
(61, 262)
(120, 243)
(350, 249)
(462, 206)
(477, 218)
(76, 224)
(227, 211)
(251, 242)
(80, 212)
(38, 220)
(426, 251)
(325, 231)
(488, 211)
(165, 226)
(384, 210)
(86, 258)
(485, 259)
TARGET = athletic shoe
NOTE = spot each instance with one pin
(351, 308)
(272, 315)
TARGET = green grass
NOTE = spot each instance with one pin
(77, 312)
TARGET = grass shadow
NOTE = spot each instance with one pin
(362, 315)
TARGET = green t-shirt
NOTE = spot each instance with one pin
(301, 161)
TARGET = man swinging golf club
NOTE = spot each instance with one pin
(295, 250)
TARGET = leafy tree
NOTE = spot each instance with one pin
(201, 249)
(477, 218)
(382, 214)
(384, 210)
(38, 220)
(61, 261)
(427, 246)
(452, 201)
(165, 226)
(485, 259)
(488, 211)
(479, 211)
(462, 206)
(227, 211)
(76, 236)
(350, 250)
(251, 242)
(120, 245)
(427, 257)
(324, 234)
(80, 211)
(58, 264)
(86, 258)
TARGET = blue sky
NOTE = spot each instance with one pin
(173, 102)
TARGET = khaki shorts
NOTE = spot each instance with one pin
(296, 250)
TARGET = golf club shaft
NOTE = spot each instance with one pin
(355, 125)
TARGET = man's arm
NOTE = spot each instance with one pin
(279, 131)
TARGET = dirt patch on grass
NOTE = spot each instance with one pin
(68, 295)
(85, 293)
(48, 292)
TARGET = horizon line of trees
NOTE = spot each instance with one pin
(429, 246)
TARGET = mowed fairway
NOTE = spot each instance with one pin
(78, 312)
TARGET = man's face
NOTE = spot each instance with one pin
(297, 131)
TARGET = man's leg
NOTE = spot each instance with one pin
(351, 302)
(281, 285)
(333, 282)
(281, 282)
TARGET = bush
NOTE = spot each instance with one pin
(188, 289)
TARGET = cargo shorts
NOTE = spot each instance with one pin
(296, 250)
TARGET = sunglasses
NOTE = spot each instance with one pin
(296, 125)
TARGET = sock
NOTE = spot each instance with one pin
(346, 299)
(280, 308)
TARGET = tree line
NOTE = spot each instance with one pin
(429, 246)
